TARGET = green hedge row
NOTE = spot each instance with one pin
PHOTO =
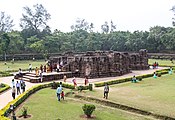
(159, 72)
(16, 102)
(4, 87)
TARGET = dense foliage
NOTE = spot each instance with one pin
(36, 36)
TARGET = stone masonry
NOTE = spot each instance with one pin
(102, 64)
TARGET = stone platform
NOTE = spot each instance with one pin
(31, 76)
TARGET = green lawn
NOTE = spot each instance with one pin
(24, 64)
(43, 105)
(154, 95)
(161, 62)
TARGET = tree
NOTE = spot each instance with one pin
(4, 44)
(6, 23)
(35, 20)
(82, 24)
(105, 27)
(173, 9)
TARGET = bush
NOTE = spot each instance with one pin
(90, 87)
(88, 109)
(24, 112)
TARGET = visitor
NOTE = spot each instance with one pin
(58, 67)
(64, 78)
(21, 82)
(41, 76)
(59, 90)
(23, 86)
(74, 82)
(30, 67)
(86, 81)
(62, 95)
(18, 87)
(106, 91)
(13, 92)
(37, 71)
(154, 75)
(41, 68)
(44, 68)
(13, 83)
(20, 72)
(134, 79)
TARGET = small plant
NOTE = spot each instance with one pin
(24, 112)
(90, 87)
(88, 109)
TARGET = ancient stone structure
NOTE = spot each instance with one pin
(102, 64)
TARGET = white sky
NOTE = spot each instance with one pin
(126, 14)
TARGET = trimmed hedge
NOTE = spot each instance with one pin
(16, 102)
(159, 72)
(6, 87)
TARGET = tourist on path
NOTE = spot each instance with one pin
(86, 81)
(64, 78)
(18, 87)
(13, 83)
(13, 92)
(74, 82)
(23, 86)
(155, 75)
(37, 71)
(106, 91)
(59, 90)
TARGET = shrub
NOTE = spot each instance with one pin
(24, 112)
(90, 87)
(88, 109)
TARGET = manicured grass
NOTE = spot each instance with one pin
(150, 94)
(6, 87)
(43, 105)
(161, 62)
(24, 64)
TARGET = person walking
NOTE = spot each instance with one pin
(18, 87)
(62, 95)
(13, 92)
(59, 90)
(13, 83)
(23, 86)
(64, 78)
(106, 91)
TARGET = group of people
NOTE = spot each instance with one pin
(18, 87)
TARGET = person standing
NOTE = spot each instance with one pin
(64, 78)
(86, 81)
(106, 91)
(30, 67)
(13, 83)
(74, 82)
(23, 86)
(13, 92)
(18, 87)
(59, 90)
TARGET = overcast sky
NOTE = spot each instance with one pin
(126, 14)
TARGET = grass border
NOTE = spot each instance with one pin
(4, 88)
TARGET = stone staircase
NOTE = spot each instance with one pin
(30, 77)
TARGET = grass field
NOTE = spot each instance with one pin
(20, 64)
(43, 105)
(161, 62)
(154, 95)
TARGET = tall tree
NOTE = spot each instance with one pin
(35, 19)
(105, 27)
(6, 23)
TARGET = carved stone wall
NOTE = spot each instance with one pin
(102, 64)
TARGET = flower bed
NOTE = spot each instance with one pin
(4, 88)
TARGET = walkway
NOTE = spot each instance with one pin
(6, 97)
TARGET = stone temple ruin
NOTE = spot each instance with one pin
(102, 64)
